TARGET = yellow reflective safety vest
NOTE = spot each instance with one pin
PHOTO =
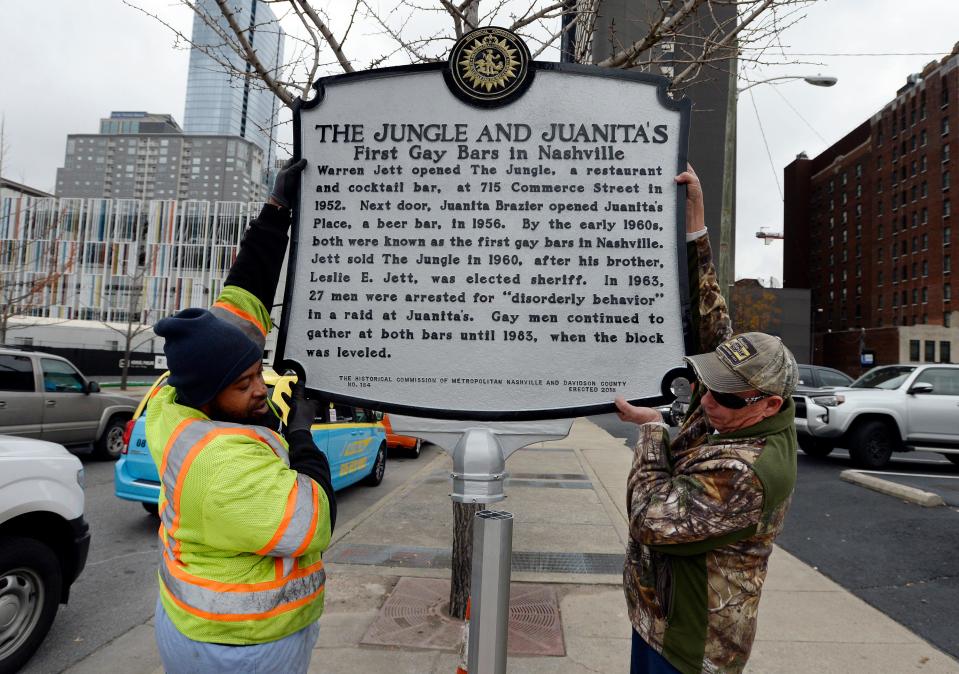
(241, 533)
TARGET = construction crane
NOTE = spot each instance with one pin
(768, 236)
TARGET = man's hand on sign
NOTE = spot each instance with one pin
(286, 184)
(637, 415)
(695, 210)
(302, 411)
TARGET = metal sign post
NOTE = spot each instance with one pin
(479, 471)
(489, 612)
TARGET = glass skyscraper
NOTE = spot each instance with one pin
(221, 100)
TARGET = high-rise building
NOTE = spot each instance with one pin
(228, 99)
(712, 142)
(869, 228)
(139, 155)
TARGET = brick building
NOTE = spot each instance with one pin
(869, 226)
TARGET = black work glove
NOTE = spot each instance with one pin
(287, 183)
(302, 411)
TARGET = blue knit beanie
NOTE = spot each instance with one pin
(204, 354)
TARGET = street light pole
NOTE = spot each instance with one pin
(726, 272)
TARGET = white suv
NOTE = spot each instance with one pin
(44, 541)
(893, 408)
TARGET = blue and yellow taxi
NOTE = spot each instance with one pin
(353, 440)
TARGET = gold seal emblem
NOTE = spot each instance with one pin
(488, 66)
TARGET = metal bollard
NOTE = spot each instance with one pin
(489, 595)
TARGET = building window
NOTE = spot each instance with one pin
(925, 216)
(930, 351)
(925, 295)
(946, 180)
(914, 350)
(922, 138)
(946, 208)
(945, 352)
(925, 268)
(925, 242)
(945, 154)
(879, 302)
(879, 278)
(945, 126)
(922, 164)
(946, 235)
(947, 319)
(947, 292)
(946, 264)
(915, 270)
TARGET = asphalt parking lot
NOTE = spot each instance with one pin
(927, 471)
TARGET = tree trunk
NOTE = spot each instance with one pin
(462, 567)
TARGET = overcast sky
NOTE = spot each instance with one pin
(67, 63)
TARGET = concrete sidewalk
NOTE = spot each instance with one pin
(569, 532)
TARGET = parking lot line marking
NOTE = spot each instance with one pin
(902, 459)
(886, 472)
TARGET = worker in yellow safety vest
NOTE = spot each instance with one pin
(245, 511)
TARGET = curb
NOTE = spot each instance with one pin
(926, 499)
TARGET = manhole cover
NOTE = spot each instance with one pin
(415, 616)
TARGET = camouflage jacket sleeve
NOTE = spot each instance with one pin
(705, 501)
(710, 319)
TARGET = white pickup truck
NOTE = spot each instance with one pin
(44, 541)
(894, 408)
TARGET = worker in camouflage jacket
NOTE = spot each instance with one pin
(705, 508)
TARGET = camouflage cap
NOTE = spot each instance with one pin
(752, 360)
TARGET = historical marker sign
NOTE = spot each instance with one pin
(494, 239)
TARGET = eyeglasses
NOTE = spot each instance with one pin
(734, 402)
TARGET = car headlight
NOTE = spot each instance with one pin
(830, 401)
(81, 479)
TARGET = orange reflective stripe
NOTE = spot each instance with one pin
(246, 316)
(185, 470)
(178, 572)
(284, 523)
(312, 529)
(238, 617)
(194, 451)
(174, 436)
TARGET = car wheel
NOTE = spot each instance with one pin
(379, 468)
(30, 582)
(414, 452)
(953, 457)
(872, 445)
(152, 508)
(109, 446)
(815, 447)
